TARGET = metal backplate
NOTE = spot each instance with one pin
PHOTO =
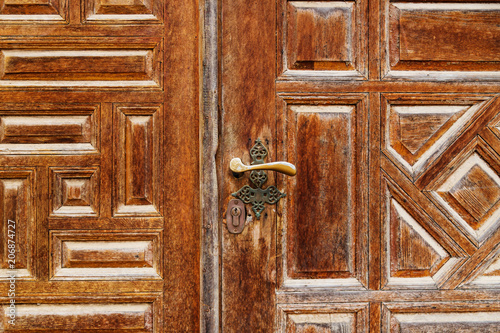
(236, 216)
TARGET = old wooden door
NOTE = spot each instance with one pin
(390, 112)
(98, 166)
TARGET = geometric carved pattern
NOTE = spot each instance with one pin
(40, 11)
(415, 134)
(120, 11)
(75, 192)
(416, 258)
(471, 195)
(489, 275)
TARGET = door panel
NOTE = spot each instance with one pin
(392, 222)
(99, 165)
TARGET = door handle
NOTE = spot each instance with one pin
(284, 167)
(256, 196)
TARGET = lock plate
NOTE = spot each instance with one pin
(236, 216)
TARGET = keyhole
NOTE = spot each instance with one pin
(235, 213)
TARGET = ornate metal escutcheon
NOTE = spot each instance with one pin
(259, 196)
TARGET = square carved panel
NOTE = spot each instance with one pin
(323, 39)
(75, 192)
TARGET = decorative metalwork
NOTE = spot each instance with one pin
(258, 197)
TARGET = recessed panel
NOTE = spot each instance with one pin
(322, 215)
(469, 317)
(17, 217)
(414, 254)
(48, 128)
(82, 63)
(112, 317)
(322, 39)
(75, 192)
(33, 11)
(137, 156)
(433, 40)
(109, 256)
(323, 318)
(120, 11)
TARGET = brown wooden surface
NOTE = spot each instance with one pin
(99, 139)
(392, 222)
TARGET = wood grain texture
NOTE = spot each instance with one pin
(63, 87)
(324, 318)
(325, 242)
(436, 317)
(44, 128)
(464, 41)
(323, 39)
(248, 112)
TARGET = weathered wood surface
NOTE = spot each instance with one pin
(99, 164)
(392, 222)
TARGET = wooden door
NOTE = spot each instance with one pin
(98, 166)
(391, 112)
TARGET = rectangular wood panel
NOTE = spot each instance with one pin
(138, 147)
(322, 214)
(323, 318)
(121, 11)
(460, 317)
(118, 317)
(49, 128)
(17, 218)
(46, 11)
(442, 40)
(101, 255)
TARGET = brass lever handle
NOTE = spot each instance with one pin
(284, 167)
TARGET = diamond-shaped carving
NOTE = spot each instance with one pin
(471, 195)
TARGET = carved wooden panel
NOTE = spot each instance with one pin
(441, 41)
(94, 317)
(323, 318)
(469, 192)
(105, 255)
(49, 128)
(440, 216)
(416, 253)
(75, 192)
(323, 228)
(81, 63)
(120, 11)
(460, 317)
(33, 11)
(17, 218)
(323, 39)
(138, 154)
(417, 129)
